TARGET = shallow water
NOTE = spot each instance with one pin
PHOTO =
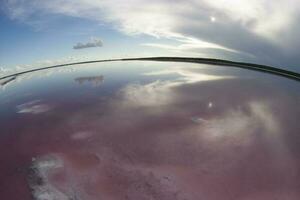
(150, 130)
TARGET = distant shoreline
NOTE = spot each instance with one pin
(211, 61)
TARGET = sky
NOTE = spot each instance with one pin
(35, 32)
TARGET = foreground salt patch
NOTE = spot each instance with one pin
(65, 177)
(39, 182)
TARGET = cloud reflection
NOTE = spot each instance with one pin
(161, 92)
(234, 123)
(33, 107)
(188, 75)
(94, 80)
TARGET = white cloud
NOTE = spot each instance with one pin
(189, 43)
(264, 17)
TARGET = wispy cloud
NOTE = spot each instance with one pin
(95, 42)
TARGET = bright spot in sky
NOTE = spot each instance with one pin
(212, 19)
(210, 105)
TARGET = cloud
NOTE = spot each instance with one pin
(93, 43)
(260, 30)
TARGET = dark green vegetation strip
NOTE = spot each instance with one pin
(227, 63)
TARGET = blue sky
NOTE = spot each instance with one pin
(37, 32)
(26, 44)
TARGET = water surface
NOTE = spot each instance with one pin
(149, 130)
